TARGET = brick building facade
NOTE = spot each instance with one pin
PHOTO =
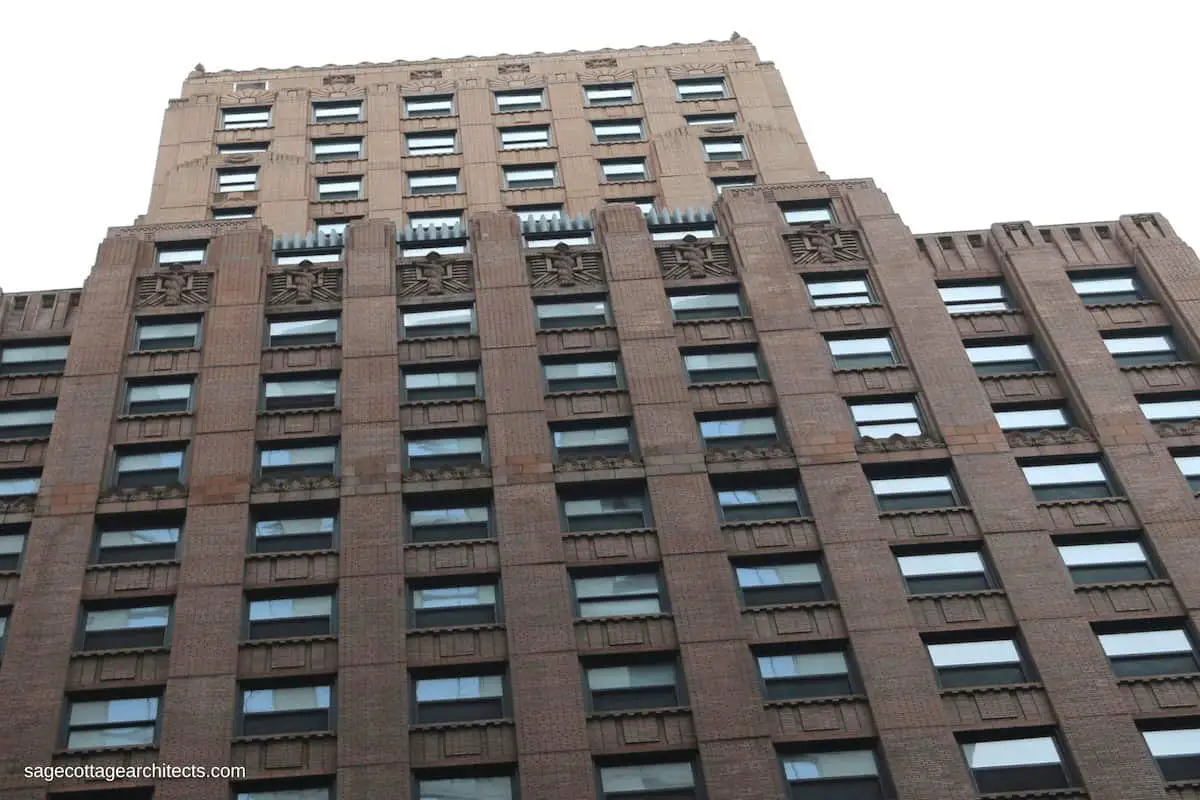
(340, 470)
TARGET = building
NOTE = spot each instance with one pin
(338, 470)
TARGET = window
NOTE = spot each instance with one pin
(793, 676)
(863, 352)
(1106, 562)
(746, 504)
(971, 298)
(848, 290)
(644, 204)
(435, 143)
(26, 422)
(1129, 351)
(32, 359)
(125, 722)
(1176, 751)
(465, 698)
(705, 305)
(772, 584)
(428, 452)
(242, 148)
(555, 238)
(608, 94)
(336, 149)
(444, 182)
(1078, 480)
(594, 439)
(19, 485)
(701, 89)
(302, 331)
(453, 384)
(611, 512)
(458, 321)
(122, 540)
(298, 392)
(158, 398)
(626, 687)
(340, 188)
(710, 119)
(274, 793)
(167, 335)
(833, 775)
(913, 487)
(442, 606)
(340, 111)
(129, 627)
(578, 376)
(478, 788)
(525, 138)
(178, 254)
(721, 367)
(448, 523)
(439, 105)
(226, 214)
(1015, 765)
(298, 461)
(675, 233)
(733, 182)
(977, 662)
(624, 169)
(938, 573)
(149, 468)
(12, 546)
(520, 100)
(1003, 358)
(310, 256)
(435, 219)
(534, 177)
(1157, 651)
(626, 130)
(1171, 408)
(884, 419)
(731, 433)
(556, 314)
(291, 709)
(807, 212)
(664, 781)
(233, 119)
(619, 595)
(294, 529)
(726, 148)
(1033, 419)
(286, 617)
(536, 213)
(1108, 287)
(237, 180)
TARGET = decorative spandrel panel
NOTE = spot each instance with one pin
(304, 284)
(565, 266)
(435, 275)
(174, 288)
(821, 244)
(692, 258)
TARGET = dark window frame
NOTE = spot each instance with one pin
(872, 360)
(414, 614)
(756, 482)
(960, 677)
(283, 512)
(309, 340)
(443, 393)
(70, 699)
(248, 629)
(655, 569)
(1139, 294)
(985, 369)
(948, 582)
(739, 442)
(1068, 772)
(604, 491)
(444, 502)
(783, 593)
(808, 687)
(551, 386)
(466, 671)
(440, 462)
(176, 343)
(294, 403)
(135, 638)
(291, 471)
(828, 788)
(38, 431)
(421, 332)
(1152, 569)
(602, 451)
(711, 313)
(116, 476)
(627, 699)
(307, 681)
(118, 524)
(915, 501)
(160, 406)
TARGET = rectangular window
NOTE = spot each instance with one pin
(537, 213)
(130, 627)
(847, 290)
(1033, 419)
(781, 583)
(448, 523)
(725, 148)
(606, 513)
(293, 709)
(807, 212)
(467, 698)
(26, 422)
(279, 461)
(915, 489)
(644, 204)
(32, 359)
(624, 169)
(624, 595)
(1176, 751)
(834, 775)
(339, 188)
(233, 119)
(609, 131)
(593, 440)
(300, 529)
(14, 485)
(733, 182)
(527, 138)
(302, 331)
(483, 788)
(243, 148)
(1108, 287)
(340, 111)
(158, 398)
(336, 149)
(227, 214)
(608, 94)
(1016, 765)
(428, 452)
(1003, 358)
(705, 305)
(449, 385)
(435, 219)
(1165, 651)
(701, 89)
(321, 256)
(676, 233)
(142, 468)
(520, 100)
(309, 793)
(972, 298)
(710, 119)
(433, 143)
(978, 662)
(578, 376)
(132, 539)
(1077, 480)
(1177, 408)
(444, 182)
(178, 254)
(722, 367)
(760, 503)
(287, 617)
(12, 545)
(439, 105)
(444, 606)
(1107, 562)
(458, 321)
(1129, 351)
(939, 573)
(651, 684)
(795, 676)
(883, 420)
(732, 433)
(554, 239)
(664, 781)
(863, 352)
(532, 177)
(557, 314)
(292, 393)
(126, 722)
(237, 180)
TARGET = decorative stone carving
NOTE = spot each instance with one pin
(565, 266)
(513, 69)
(896, 443)
(1167, 430)
(458, 473)
(603, 75)
(598, 462)
(600, 63)
(18, 505)
(687, 70)
(173, 288)
(296, 484)
(821, 244)
(303, 284)
(747, 454)
(341, 88)
(1045, 437)
(692, 258)
(424, 74)
(338, 80)
(436, 275)
(773, 191)
(172, 491)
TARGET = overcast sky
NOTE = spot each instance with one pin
(966, 113)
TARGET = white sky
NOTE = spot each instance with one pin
(965, 112)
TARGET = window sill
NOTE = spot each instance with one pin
(994, 689)
(24, 439)
(638, 712)
(776, 520)
(585, 392)
(965, 593)
(169, 350)
(133, 748)
(914, 511)
(876, 368)
(285, 554)
(482, 626)
(120, 651)
(1082, 501)
(173, 562)
(433, 727)
(1176, 676)
(283, 412)
(153, 415)
(1140, 367)
(787, 702)
(324, 637)
(811, 604)
(623, 618)
(280, 737)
